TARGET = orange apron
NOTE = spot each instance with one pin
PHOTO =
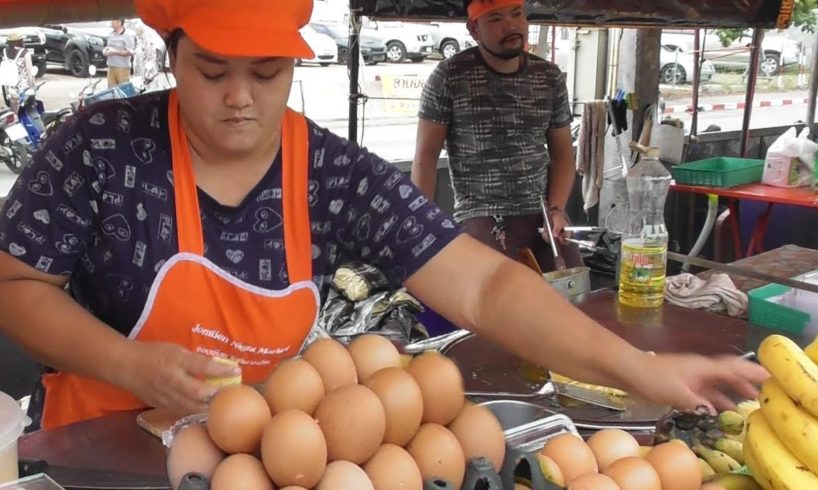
(194, 303)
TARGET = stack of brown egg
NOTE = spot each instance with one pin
(342, 418)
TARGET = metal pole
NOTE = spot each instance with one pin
(813, 88)
(698, 61)
(755, 60)
(354, 71)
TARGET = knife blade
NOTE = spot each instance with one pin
(740, 271)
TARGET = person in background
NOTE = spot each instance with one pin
(154, 234)
(145, 60)
(501, 113)
(15, 52)
(119, 53)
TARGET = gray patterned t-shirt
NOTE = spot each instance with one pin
(497, 125)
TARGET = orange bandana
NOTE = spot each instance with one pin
(235, 28)
(479, 8)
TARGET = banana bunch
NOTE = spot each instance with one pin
(781, 442)
(716, 440)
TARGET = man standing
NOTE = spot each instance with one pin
(496, 107)
(119, 51)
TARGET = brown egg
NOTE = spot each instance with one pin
(192, 451)
(371, 353)
(353, 422)
(571, 454)
(333, 362)
(441, 383)
(550, 470)
(402, 402)
(634, 473)
(343, 475)
(677, 466)
(438, 454)
(392, 468)
(610, 445)
(480, 434)
(293, 449)
(593, 481)
(240, 471)
(294, 384)
(236, 419)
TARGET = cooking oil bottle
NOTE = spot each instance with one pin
(643, 258)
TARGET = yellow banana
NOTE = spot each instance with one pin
(751, 461)
(720, 462)
(747, 407)
(707, 470)
(732, 481)
(796, 373)
(731, 422)
(797, 429)
(812, 351)
(777, 463)
(731, 448)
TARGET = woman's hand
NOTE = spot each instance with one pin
(686, 381)
(166, 375)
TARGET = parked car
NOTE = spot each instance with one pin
(373, 49)
(450, 38)
(676, 66)
(75, 47)
(325, 49)
(778, 50)
(404, 40)
(33, 39)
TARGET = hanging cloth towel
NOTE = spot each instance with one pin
(717, 294)
(591, 150)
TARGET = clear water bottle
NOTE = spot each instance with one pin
(643, 258)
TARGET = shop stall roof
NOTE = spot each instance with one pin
(624, 13)
(607, 13)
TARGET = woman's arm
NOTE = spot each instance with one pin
(39, 315)
(487, 293)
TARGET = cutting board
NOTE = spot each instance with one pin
(156, 421)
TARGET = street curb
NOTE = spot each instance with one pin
(732, 106)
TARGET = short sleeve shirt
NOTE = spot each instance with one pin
(497, 127)
(97, 204)
(125, 40)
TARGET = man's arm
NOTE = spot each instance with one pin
(430, 139)
(561, 170)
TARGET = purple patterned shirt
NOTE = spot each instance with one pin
(97, 204)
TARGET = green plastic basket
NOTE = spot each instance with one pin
(719, 172)
(766, 314)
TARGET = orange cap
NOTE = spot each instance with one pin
(235, 27)
(479, 8)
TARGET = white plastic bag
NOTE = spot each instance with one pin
(790, 160)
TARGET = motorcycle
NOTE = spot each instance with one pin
(14, 145)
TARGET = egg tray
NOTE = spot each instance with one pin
(520, 466)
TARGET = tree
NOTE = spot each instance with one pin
(803, 16)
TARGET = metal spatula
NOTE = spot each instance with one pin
(552, 388)
(559, 262)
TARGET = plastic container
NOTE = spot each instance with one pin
(643, 256)
(788, 309)
(719, 172)
(12, 423)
